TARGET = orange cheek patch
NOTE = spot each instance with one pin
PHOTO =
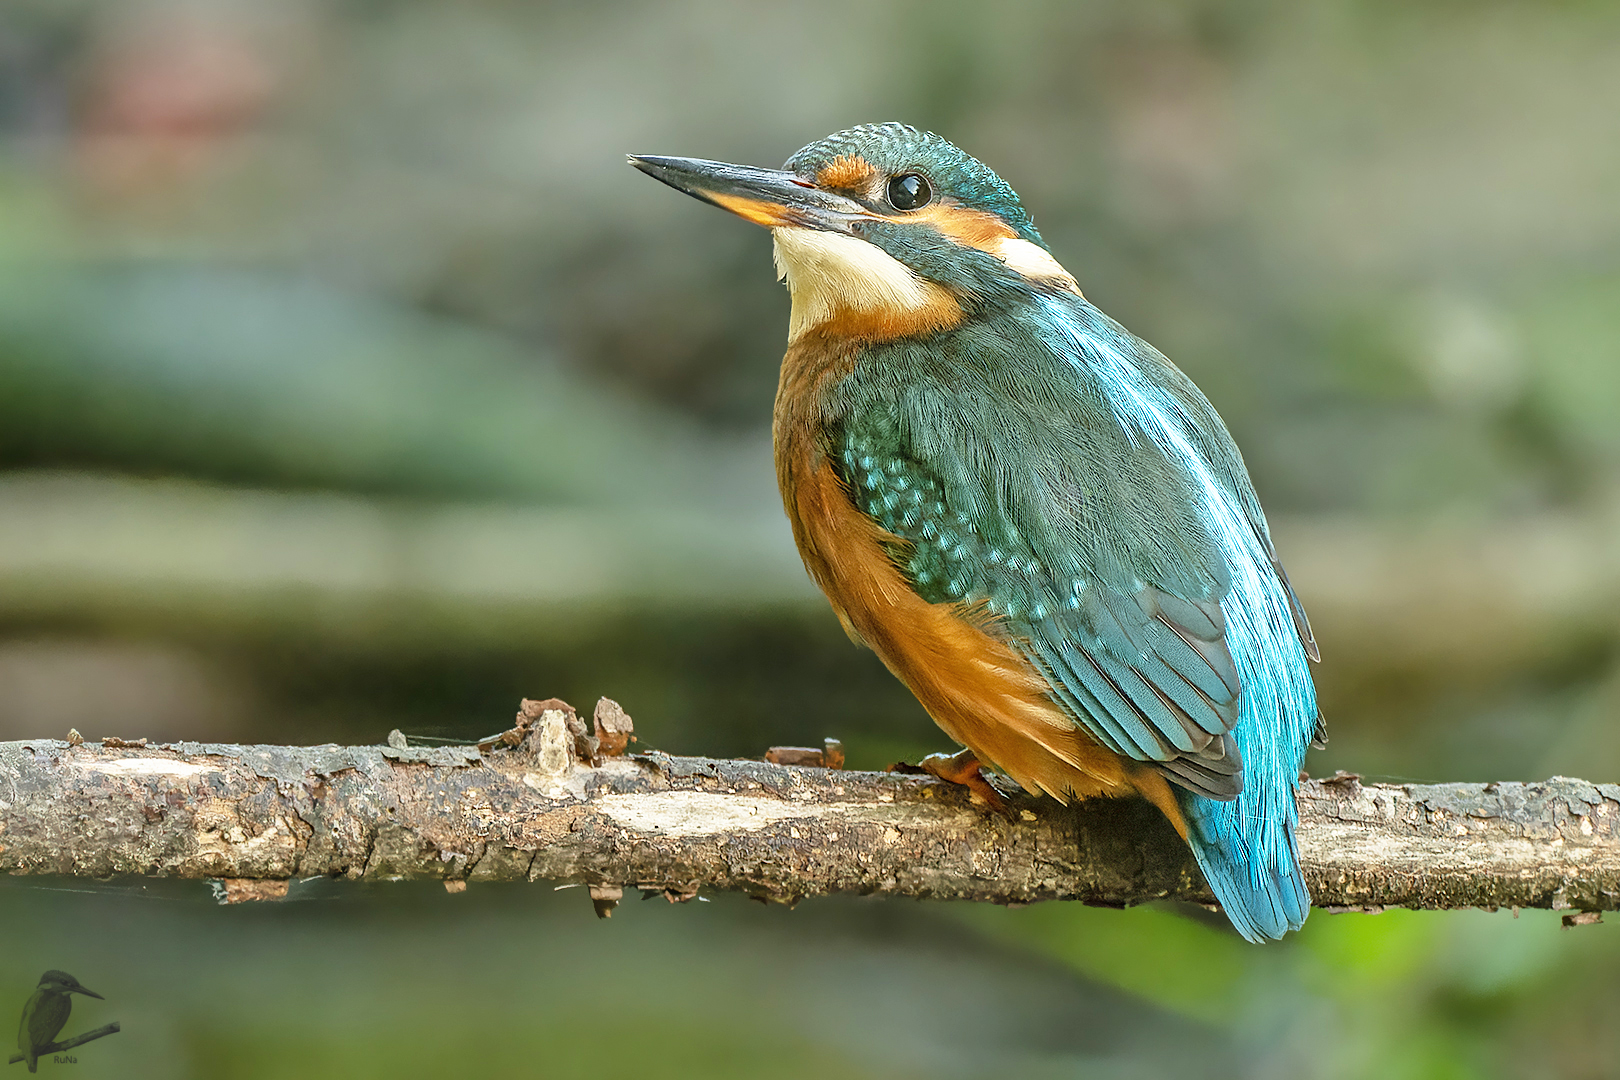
(988, 233)
(846, 173)
(970, 228)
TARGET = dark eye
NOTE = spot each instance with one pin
(909, 191)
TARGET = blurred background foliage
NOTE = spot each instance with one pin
(349, 381)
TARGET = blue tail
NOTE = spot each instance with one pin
(1246, 847)
(1251, 862)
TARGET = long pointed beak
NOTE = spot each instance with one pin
(768, 197)
(88, 993)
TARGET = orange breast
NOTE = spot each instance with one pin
(973, 682)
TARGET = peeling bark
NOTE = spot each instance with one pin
(254, 817)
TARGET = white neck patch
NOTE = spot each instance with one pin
(1034, 262)
(831, 273)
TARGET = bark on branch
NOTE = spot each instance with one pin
(530, 805)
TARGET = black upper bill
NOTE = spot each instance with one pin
(768, 197)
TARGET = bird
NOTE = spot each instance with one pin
(46, 1012)
(1038, 523)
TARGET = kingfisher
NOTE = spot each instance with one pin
(46, 1012)
(1037, 521)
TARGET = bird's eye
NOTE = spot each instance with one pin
(909, 191)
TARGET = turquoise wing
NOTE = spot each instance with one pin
(1052, 470)
(1146, 672)
(1013, 486)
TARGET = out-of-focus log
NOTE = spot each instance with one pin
(1487, 597)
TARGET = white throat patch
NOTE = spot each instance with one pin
(830, 273)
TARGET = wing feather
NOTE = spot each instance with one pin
(1015, 484)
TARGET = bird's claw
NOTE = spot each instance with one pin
(961, 768)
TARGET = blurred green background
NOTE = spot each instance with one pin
(350, 381)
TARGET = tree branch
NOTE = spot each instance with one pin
(529, 805)
(67, 1044)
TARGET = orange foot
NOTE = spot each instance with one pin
(960, 768)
